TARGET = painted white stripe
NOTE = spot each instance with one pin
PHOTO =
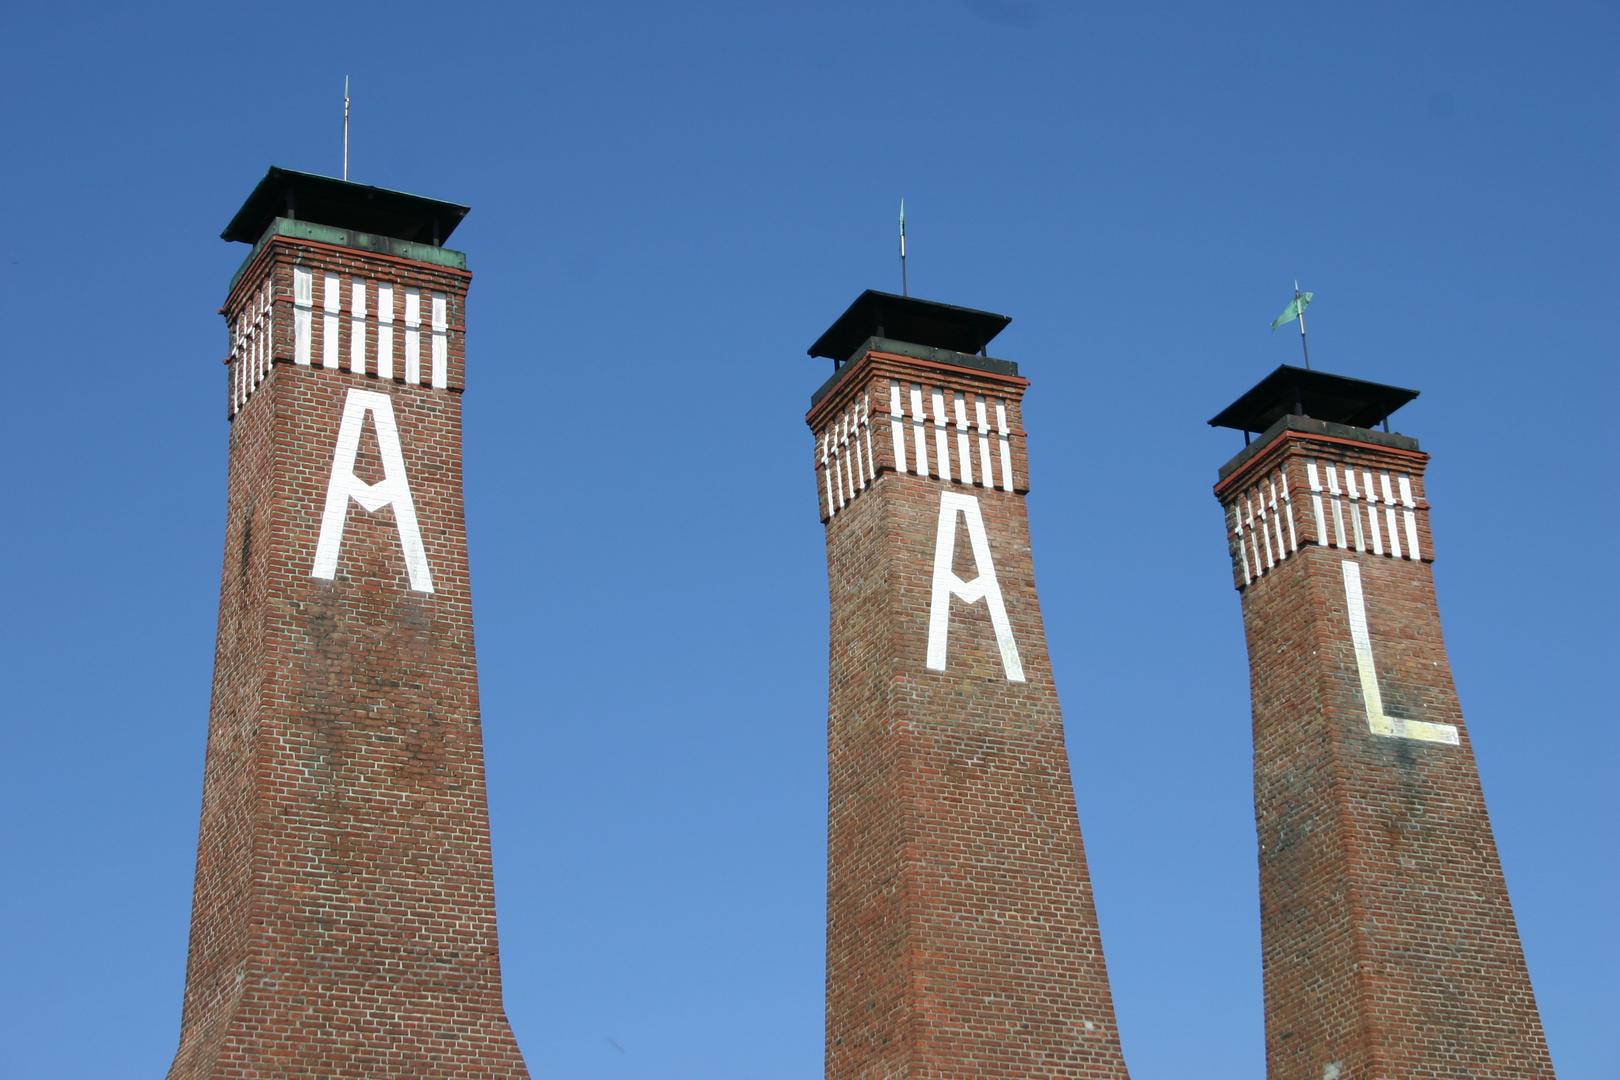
(987, 473)
(1234, 527)
(1377, 722)
(385, 352)
(1394, 532)
(844, 457)
(1269, 497)
(858, 480)
(1355, 509)
(413, 337)
(385, 330)
(267, 317)
(357, 327)
(1412, 551)
(1249, 530)
(919, 437)
(332, 300)
(1316, 502)
(826, 472)
(942, 439)
(838, 475)
(1288, 505)
(964, 448)
(897, 431)
(866, 435)
(1006, 446)
(847, 452)
(1372, 512)
(441, 341)
(303, 302)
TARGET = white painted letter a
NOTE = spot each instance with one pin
(984, 586)
(392, 489)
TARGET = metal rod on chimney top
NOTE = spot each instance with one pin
(345, 127)
(903, 290)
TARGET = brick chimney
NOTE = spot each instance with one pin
(343, 919)
(961, 934)
(1389, 943)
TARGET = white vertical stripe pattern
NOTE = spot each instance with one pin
(1260, 538)
(252, 335)
(1260, 521)
(846, 454)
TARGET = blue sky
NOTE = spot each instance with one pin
(670, 202)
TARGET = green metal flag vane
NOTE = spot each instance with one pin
(1293, 311)
(903, 248)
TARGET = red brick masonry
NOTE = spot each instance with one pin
(1389, 942)
(343, 923)
(961, 935)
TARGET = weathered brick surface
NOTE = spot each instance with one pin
(1389, 942)
(343, 920)
(962, 939)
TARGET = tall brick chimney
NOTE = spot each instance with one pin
(961, 934)
(343, 919)
(1389, 942)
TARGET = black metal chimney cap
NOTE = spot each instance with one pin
(1302, 392)
(905, 318)
(326, 200)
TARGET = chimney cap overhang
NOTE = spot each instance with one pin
(906, 318)
(1302, 392)
(326, 200)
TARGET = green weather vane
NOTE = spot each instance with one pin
(1296, 310)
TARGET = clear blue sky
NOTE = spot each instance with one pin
(670, 202)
